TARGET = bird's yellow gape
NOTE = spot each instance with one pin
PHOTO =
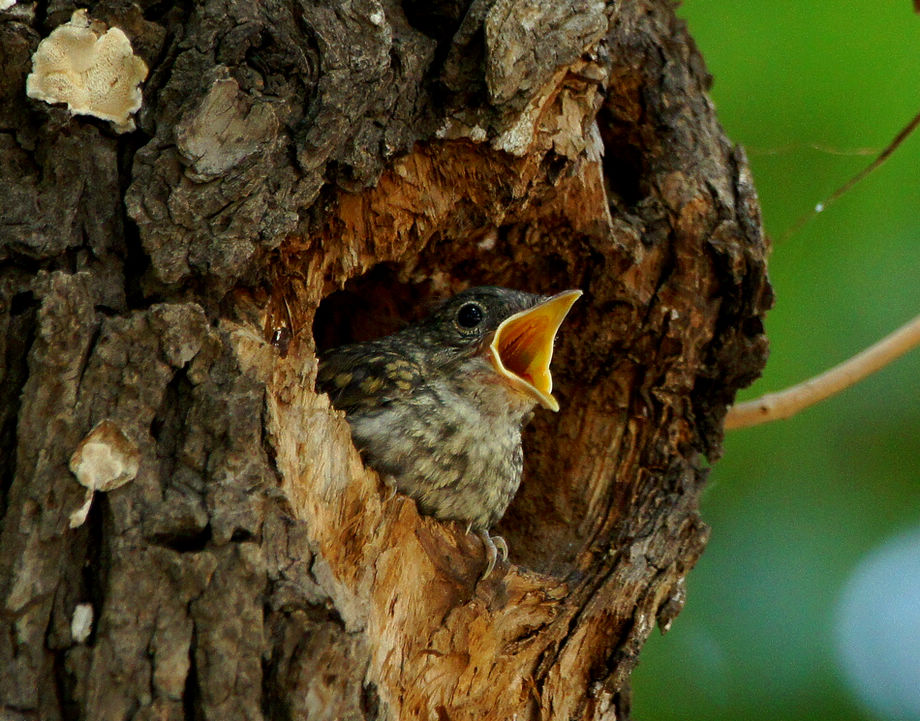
(522, 347)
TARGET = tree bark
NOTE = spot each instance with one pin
(308, 173)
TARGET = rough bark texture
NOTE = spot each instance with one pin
(307, 173)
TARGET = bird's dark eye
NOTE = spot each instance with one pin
(470, 315)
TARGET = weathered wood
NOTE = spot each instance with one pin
(310, 173)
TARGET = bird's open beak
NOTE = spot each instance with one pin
(522, 347)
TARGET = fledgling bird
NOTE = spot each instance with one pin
(437, 408)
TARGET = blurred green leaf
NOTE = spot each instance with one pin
(795, 505)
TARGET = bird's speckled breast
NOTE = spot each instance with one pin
(458, 454)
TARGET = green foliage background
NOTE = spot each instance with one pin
(795, 505)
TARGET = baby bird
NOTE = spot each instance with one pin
(437, 408)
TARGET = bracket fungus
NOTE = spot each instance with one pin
(92, 69)
(105, 460)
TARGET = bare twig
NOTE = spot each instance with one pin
(776, 406)
(880, 158)
(817, 147)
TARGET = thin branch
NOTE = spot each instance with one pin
(861, 175)
(817, 147)
(776, 406)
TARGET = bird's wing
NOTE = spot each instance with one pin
(366, 376)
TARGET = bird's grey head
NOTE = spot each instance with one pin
(462, 323)
(508, 333)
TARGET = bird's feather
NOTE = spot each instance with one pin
(362, 377)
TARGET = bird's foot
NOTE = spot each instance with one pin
(494, 545)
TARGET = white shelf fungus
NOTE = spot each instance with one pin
(105, 460)
(81, 623)
(93, 70)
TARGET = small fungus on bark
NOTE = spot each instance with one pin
(105, 460)
(92, 69)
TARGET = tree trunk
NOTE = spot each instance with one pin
(308, 173)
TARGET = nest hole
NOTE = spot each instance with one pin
(370, 306)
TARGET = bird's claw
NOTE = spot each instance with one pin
(494, 545)
(501, 546)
